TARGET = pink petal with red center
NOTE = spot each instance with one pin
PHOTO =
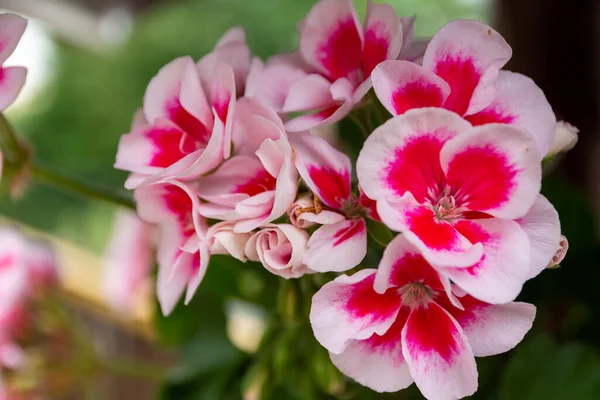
(500, 274)
(337, 247)
(311, 92)
(249, 129)
(542, 226)
(383, 36)
(438, 354)
(377, 362)
(12, 80)
(438, 240)
(520, 102)
(348, 308)
(402, 155)
(467, 55)
(493, 168)
(324, 117)
(12, 27)
(493, 329)
(197, 257)
(326, 171)
(222, 94)
(331, 39)
(402, 86)
(402, 264)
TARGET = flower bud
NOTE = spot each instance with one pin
(565, 138)
(560, 253)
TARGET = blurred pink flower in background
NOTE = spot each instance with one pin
(12, 79)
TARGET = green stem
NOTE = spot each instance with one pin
(358, 121)
(133, 369)
(81, 187)
(12, 148)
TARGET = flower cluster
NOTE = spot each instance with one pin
(224, 160)
(27, 271)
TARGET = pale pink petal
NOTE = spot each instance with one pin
(12, 80)
(377, 362)
(12, 27)
(438, 354)
(348, 308)
(325, 170)
(331, 39)
(438, 240)
(197, 254)
(402, 155)
(337, 247)
(500, 274)
(493, 329)
(467, 55)
(11, 355)
(222, 94)
(383, 36)
(542, 226)
(327, 116)
(311, 92)
(249, 129)
(493, 168)
(129, 259)
(221, 239)
(172, 278)
(402, 85)
(520, 102)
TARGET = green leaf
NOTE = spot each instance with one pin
(379, 232)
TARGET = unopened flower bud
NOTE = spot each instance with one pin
(565, 138)
(560, 253)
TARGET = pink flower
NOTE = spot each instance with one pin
(182, 252)
(455, 192)
(461, 72)
(12, 79)
(337, 57)
(187, 115)
(341, 243)
(280, 248)
(129, 260)
(259, 183)
(389, 327)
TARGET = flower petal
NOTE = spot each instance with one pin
(500, 274)
(402, 155)
(402, 85)
(325, 170)
(493, 168)
(467, 55)
(542, 226)
(520, 102)
(337, 247)
(324, 117)
(331, 39)
(348, 308)
(383, 36)
(12, 80)
(311, 92)
(12, 27)
(438, 354)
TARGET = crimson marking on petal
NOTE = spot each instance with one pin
(6, 261)
(341, 53)
(430, 329)
(482, 174)
(370, 206)
(362, 300)
(187, 122)
(221, 104)
(390, 342)
(262, 182)
(475, 234)
(416, 94)
(180, 204)
(463, 77)
(437, 235)
(468, 316)
(344, 234)
(333, 186)
(416, 168)
(167, 146)
(489, 116)
(413, 268)
(375, 49)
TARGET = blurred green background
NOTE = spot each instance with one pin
(75, 122)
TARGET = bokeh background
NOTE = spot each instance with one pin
(90, 61)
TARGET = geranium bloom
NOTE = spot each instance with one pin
(129, 260)
(12, 79)
(337, 57)
(454, 191)
(341, 243)
(182, 251)
(461, 72)
(388, 327)
(185, 128)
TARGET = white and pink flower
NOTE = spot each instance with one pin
(461, 72)
(12, 79)
(402, 323)
(185, 126)
(455, 191)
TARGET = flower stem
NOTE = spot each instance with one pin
(80, 186)
(11, 147)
